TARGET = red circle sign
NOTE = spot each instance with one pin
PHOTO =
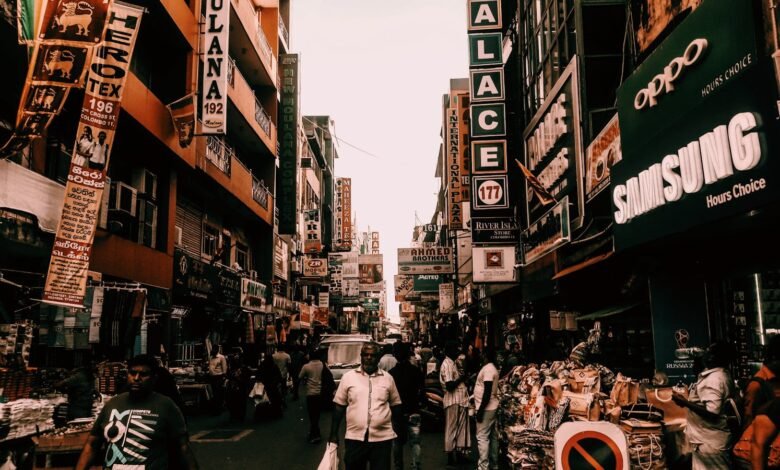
(591, 450)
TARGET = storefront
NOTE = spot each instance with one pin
(695, 196)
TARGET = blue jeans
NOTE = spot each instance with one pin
(413, 438)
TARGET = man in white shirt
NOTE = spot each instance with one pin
(388, 360)
(369, 399)
(456, 416)
(217, 373)
(486, 402)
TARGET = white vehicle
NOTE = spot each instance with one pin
(342, 352)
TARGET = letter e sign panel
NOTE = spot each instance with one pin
(490, 192)
(488, 156)
(484, 14)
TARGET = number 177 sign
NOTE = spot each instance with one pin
(490, 192)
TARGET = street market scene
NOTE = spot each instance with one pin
(426, 234)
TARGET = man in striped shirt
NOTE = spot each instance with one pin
(456, 432)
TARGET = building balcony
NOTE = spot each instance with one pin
(249, 44)
(219, 160)
(247, 103)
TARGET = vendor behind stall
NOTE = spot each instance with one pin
(80, 388)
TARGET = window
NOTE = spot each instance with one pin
(210, 240)
(242, 256)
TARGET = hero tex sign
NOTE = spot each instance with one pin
(488, 112)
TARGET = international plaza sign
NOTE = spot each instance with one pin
(697, 126)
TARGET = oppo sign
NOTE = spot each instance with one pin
(664, 82)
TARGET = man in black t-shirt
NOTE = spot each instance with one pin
(409, 380)
(139, 428)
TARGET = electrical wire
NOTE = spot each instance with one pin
(337, 138)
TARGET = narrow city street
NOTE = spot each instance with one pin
(279, 444)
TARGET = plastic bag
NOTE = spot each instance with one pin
(259, 394)
(330, 461)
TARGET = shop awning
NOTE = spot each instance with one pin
(27, 191)
(588, 262)
(608, 312)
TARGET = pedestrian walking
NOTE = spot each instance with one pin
(370, 400)
(486, 403)
(311, 374)
(237, 389)
(217, 373)
(139, 428)
(268, 374)
(297, 359)
(457, 440)
(282, 361)
(387, 361)
(707, 428)
(409, 380)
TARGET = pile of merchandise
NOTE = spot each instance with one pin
(16, 339)
(25, 417)
(16, 384)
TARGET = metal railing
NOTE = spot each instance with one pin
(283, 31)
(265, 47)
(262, 117)
(260, 192)
(219, 153)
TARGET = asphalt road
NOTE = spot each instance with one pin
(280, 444)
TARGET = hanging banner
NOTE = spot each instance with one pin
(253, 295)
(343, 241)
(350, 265)
(336, 277)
(601, 154)
(370, 277)
(183, 115)
(404, 285)
(446, 297)
(68, 33)
(67, 276)
(215, 67)
(287, 176)
(281, 258)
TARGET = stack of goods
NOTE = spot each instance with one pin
(26, 417)
(16, 384)
(16, 339)
(111, 377)
(47, 378)
(645, 444)
(535, 400)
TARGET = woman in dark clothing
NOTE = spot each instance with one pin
(268, 374)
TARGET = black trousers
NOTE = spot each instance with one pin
(358, 453)
(314, 407)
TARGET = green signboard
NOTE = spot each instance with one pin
(484, 14)
(370, 304)
(488, 120)
(697, 123)
(286, 179)
(487, 85)
(427, 282)
(485, 49)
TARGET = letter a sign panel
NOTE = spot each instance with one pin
(484, 15)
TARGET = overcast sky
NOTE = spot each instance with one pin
(379, 69)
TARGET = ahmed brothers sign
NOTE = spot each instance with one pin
(696, 126)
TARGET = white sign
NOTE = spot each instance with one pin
(431, 260)
(323, 299)
(315, 267)
(662, 83)
(215, 67)
(446, 297)
(252, 295)
(494, 264)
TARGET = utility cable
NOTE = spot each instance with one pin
(337, 138)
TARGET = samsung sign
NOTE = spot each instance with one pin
(698, 129)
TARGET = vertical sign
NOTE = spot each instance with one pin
(215, 67)
(455, 220)
(312, 243)
(463, 148)
(346, 216)
(67, 276)
(288, 142)
(446, 297)
(484, 15)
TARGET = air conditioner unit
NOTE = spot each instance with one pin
(178, 236)
(123, 198)
(145, 182)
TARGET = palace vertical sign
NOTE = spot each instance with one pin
(215, 67)
(287, 202)
(487, 119)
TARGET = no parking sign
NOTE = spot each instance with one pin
(590, 446)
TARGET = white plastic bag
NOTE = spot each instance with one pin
(259, 394)
(330, 461)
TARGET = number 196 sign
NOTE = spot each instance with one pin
(490, 191)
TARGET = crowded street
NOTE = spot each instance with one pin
(408, 235)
